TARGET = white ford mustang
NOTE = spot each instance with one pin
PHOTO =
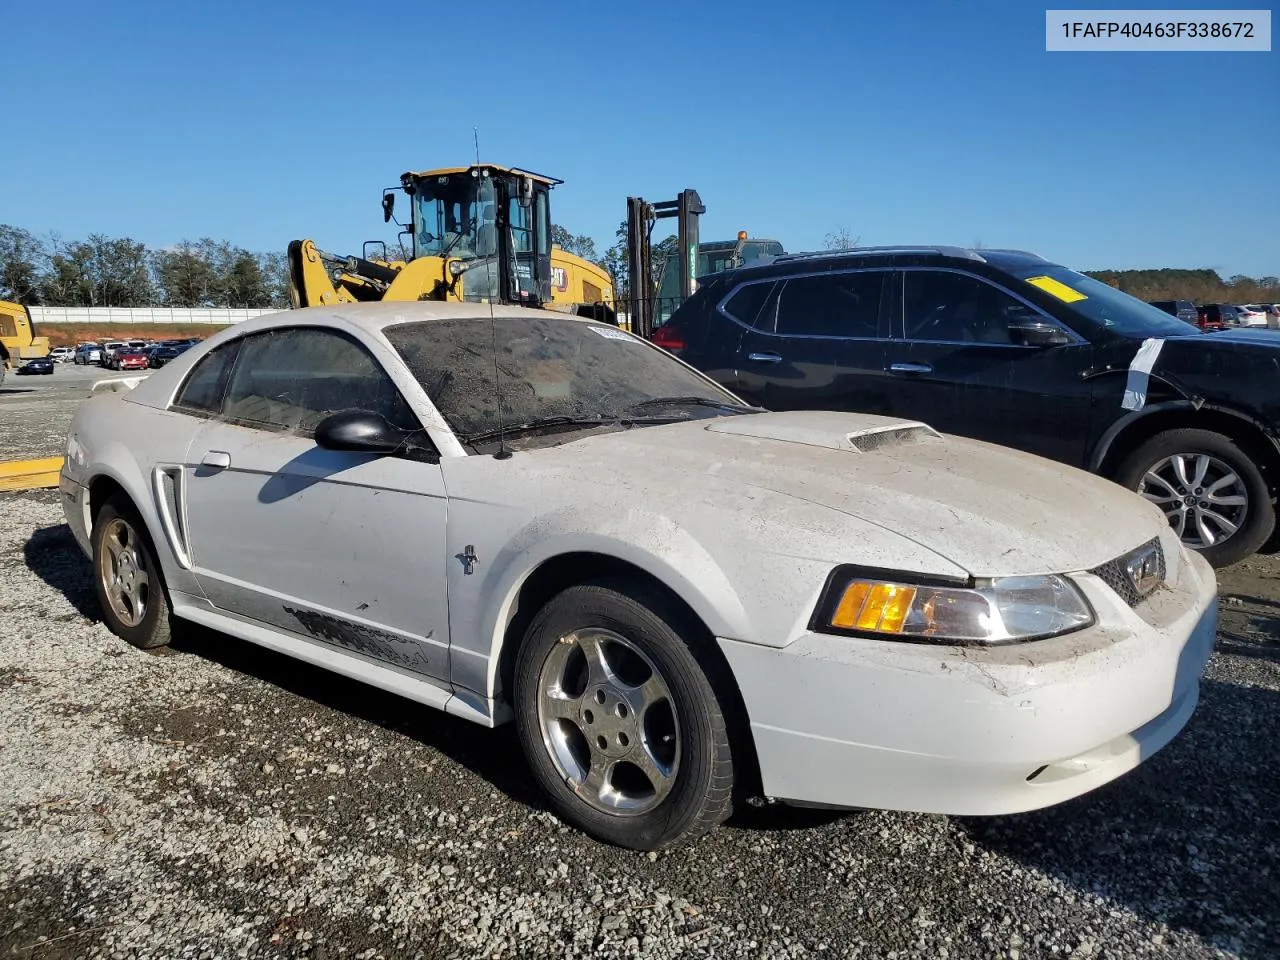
(678, 598)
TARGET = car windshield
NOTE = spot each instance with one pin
(1103, 304)
(548, 367)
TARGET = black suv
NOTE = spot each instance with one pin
(1184, 310)
(1004, 346)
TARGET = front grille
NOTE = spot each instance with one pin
(1115, 573)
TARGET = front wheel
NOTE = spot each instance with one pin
(618, 719)
(127, 578)
(1211, 491)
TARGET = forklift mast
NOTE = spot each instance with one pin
(687, 207)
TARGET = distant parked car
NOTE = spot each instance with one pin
(62, 354)
(1216, 316)
(87, 353)
(40, 365)
(128, 359)
(1272, 311)
(1182, 309)
(1252, 316)
(162, 353)
(109, 349)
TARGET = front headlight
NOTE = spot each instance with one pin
(997, 610)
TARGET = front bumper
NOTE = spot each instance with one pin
(848, 722)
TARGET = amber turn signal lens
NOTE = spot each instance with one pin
(875, 607)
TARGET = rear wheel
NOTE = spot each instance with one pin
(127, 578)
(1211, 491)
(618, 719)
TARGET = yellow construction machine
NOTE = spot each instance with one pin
(480, 233)
(18, 333)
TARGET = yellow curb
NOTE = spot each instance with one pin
(30, 474)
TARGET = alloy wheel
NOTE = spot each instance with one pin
(608, 722)
(123, 571)
(1203, 496)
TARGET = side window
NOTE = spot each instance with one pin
(957, 307)
(207, 383)
(292, 379)
(752, 305)
(831, 305)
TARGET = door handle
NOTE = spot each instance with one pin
(218, 459)
(765, 357)
(910, 368)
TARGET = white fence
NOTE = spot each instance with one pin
(128, 316)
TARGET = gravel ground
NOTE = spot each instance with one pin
(35, 411)
(221, 801)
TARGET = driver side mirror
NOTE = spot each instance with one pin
(1031, 332)
(388, 206)
(358, 431)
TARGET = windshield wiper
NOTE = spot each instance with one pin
(530, 426)
(695, 401)
(542, 423)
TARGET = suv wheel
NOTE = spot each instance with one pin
(1212, 492)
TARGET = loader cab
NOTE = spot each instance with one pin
(490, 229)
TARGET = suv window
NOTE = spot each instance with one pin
(747, 306)
(291, 379)
(831, 305)
(207, 383)
(957, 307)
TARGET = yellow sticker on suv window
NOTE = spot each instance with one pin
(1057, 289)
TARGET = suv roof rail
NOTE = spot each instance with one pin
(1017, 253)
(962, 253)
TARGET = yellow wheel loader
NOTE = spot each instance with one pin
(480, 233)
(18, 333)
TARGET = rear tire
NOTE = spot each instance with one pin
(1153, 471)
(619, 720)
(128, 579)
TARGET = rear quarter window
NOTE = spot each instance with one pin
(204, 389)
(749, 305)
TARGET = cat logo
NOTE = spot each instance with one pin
(560, 278)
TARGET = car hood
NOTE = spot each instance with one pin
(990, 510)
(1260, 337)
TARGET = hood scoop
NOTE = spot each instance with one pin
(856, 432)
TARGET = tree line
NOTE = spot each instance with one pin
(102, 271)
(1198, 286)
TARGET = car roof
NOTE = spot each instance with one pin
(1000, 258)
(374, 317)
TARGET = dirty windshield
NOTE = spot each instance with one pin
(550, 368)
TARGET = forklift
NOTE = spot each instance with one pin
(643, 309)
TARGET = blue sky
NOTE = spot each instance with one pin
(904, 122)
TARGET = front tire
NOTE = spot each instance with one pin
(1210, 489)
(127, 577)
(619, 720)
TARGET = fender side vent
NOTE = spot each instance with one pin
(168, 488)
